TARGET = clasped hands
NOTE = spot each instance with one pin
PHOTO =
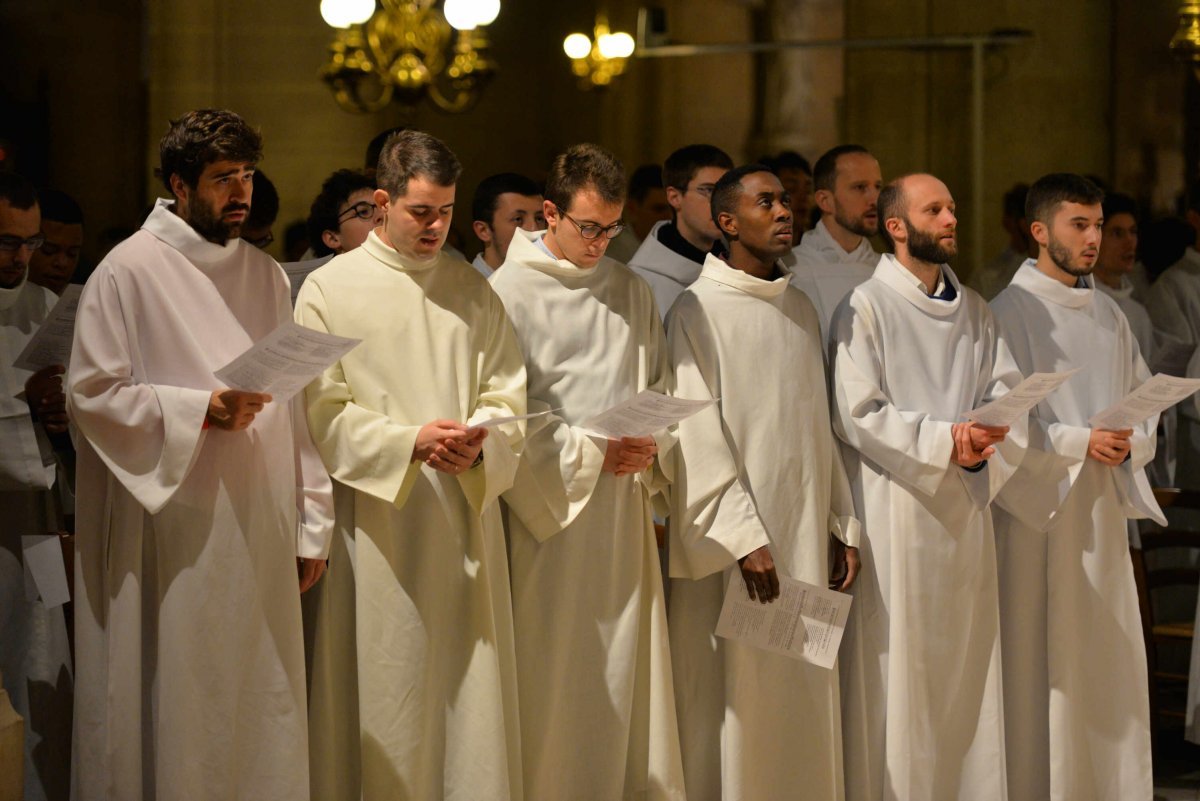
(975, 443)
(46, 399)
(1110, 447)
(449, 446)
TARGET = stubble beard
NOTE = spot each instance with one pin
(1061, 256)
(855, 225)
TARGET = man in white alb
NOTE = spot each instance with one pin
(914, 350)
(502, 204)
(759, 490)
(193, 501)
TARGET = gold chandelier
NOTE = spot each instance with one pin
(1185, 44)
(601, 58)
(404, 50)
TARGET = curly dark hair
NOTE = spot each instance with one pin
(201, 137)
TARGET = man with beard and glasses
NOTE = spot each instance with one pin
(672, 253)
(414, 684)
(836, 255)
(203, 512)
(759, 490)
(1075, 714)
(913, 350)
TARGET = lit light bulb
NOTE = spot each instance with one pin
(616, 45)
(344, 13)
(577, 46)
(460, 14)
(486, 11)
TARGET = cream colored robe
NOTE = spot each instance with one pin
(826, 273)
(35, 658)
(414, 689)
(189, 655)
(597, 705)
(762, 468)
(1173, 302)
(921, 689)
(1076, 696)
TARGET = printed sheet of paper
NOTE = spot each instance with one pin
(1160, 392)
(643, 415)
(44, 560)
(51, 343)
(492, 422)
(284, 361)
(805, 622)
(1003, 411)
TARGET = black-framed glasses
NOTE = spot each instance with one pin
(363, 210)
(11, 244)
(593, 230)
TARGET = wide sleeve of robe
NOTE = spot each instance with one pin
(361, 448)
(912, 447)
(1057, 452)
(714, 520)
(501, 394)
(148, 434)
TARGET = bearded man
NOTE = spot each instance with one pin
(914, 350)
(1075, 713)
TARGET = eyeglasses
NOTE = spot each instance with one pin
(592, 230)
(11, 244)
(704, 190)
(363, 210)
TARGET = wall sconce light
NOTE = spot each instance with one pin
(401, 50)
(1185, 44)
(601, 58)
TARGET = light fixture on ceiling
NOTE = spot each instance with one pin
(1185, 44)
(404, 50)
(599, 59)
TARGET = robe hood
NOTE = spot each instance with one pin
(1031, 279)
(818, 244)
(655, 257)
(9, 297)
(897, 276)
(392, 258)
(165, 225)
(716, 269)
(524, 251)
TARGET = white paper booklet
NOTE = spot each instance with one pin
(805, 622)
(1159, 393)
(284, 362)
(642, 415)
(51, 343)
(1003, 411)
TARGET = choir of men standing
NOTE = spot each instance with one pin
(452, 658)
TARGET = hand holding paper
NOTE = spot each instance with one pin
(1006, 409)
(51, 343)
(1161, 392)
(642, 415)
(285, 361)
(805, 622)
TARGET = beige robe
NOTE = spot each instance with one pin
(414, 689)
(597, 706)
(190, 660)
(760, 468)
